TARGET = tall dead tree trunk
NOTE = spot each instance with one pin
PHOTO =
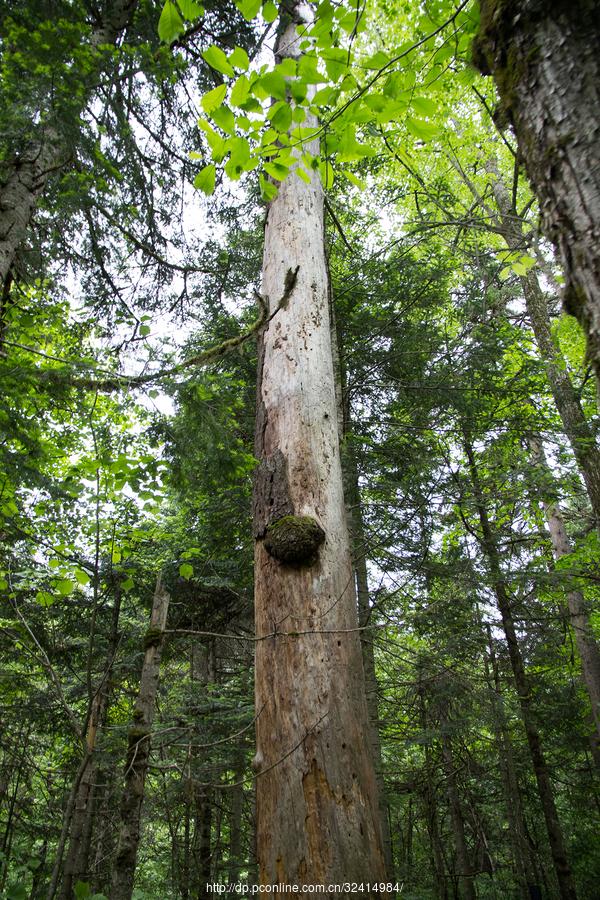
(138, 749)
(27, 175)
(317, 806)
(545, 62)
(489, 546)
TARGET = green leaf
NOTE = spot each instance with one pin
(145, 330)
(269, 11)
(301, 173)
(239, 59)
(424, 131)
(378, 61)
(81, 577)
(274, 84)
(44, 598)
(336, 63)
(170, 24)
(268, 191)
(82, 890)
(190, 9)
(276, 170)
(205, 179)
(287, 67)
(240, 91)
(212, 99)
(186, 571)
(65, 587)
(216, 59)
(224, 118)
(280, 116)
(423, 106)
(248, 8)
(362, 185)
(326, 173)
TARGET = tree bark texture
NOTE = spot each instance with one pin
(138, 750)
(554, 831)
(545, 62)
(29, 172)
(317, 806)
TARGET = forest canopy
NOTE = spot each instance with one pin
(299, 458)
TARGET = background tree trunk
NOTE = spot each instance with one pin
(544, 59)
(138, 751)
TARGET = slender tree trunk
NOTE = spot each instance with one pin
(76, 865)
(357, 534)
(465, 876)
(25, 180)
(560, 860)
(545, 62)
(578, 613)
(577, 429)
(525, 872)
(317, 806)
(138, 750)
(431, 808)
(359, 561)
(235, 819)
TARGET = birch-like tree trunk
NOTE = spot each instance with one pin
(317, 806)
(545, 62)
(138, 749)
(585, 640)
(27, 175)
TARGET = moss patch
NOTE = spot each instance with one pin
(152, 638)
(294, 540)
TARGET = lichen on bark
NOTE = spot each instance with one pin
(294, 540)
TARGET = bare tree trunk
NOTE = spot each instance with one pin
(28, 175)
(138, 750)
(76, 865)
(524, 867)
(317, 806)
(235, 819)
(578, 613)
(558, 850)
(465, 875)
(359, 561)
(544, 59)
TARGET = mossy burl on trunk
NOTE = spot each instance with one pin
(294, 540)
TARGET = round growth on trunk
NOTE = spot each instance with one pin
(294, 540)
